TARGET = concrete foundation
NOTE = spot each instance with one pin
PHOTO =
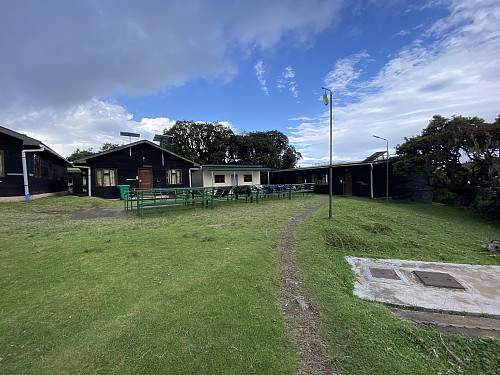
(480, 293)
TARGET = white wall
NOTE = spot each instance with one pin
(207, 178)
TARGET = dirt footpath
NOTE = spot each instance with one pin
(301, 316)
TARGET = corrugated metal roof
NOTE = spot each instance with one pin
(28, 141)
(342, 164)
(133, 144)
(214, 167)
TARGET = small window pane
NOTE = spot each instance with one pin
(38, 166)
(99, 177)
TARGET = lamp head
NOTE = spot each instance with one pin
(325, 98)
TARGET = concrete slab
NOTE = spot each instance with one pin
(481, 293)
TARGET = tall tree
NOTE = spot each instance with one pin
(108, 146)
(79, 154)
(462, 154)
(270, 149)
(204, 143)
(208, 143)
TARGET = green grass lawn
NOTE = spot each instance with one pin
(365, 338)
(164, 294)
(195, 291)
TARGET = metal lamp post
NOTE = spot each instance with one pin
(330, 174)
(387, 169)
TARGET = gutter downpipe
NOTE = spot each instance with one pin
(371, 180)
(89, 180)
(25, 171)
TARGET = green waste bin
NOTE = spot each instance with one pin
(123, 189)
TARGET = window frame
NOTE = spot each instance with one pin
(169, 173)
(100, 180)
(50, 170)
(2, 163)
(38, 165)
(248, 178)
(220, 177)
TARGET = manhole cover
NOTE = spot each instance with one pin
(439, 279)
(384, 273)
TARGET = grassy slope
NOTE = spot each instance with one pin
(365, 337)
(165, 294)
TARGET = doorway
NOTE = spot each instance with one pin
(347, 183)
(145, 178)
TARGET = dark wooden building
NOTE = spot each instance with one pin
(29, 168)
(142, 164)
(362, 179)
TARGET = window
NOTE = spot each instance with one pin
(38, 166)
(320, 179)
(105, 177)
(174, 176)
(219, 178)
(2, 166)
(247, 178)
(51, 171)
(58, 172)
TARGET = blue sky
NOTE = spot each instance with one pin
(74, 74)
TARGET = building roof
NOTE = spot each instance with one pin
(375, 156)
(342, 164)
(31, 142)
(229, 167)
(133, 144)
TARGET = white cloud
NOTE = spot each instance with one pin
(286, 80)
(156, 125)
(229, 125)
(401, 33)
(64, 55)
(260, 73)
(60, 57)
(343, 79)
(85, 126)
(455, 72)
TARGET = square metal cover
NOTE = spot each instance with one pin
(439, 279)
(384, 273)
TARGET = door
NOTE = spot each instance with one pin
(145, 178)
(347, 183)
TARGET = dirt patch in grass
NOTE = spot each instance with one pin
(301, 316)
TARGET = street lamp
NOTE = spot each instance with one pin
(330, 177)
(387, 169)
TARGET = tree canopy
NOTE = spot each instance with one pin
(214, 143)
(79, 154)
(462, 155)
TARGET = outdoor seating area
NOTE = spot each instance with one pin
(139, 199)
